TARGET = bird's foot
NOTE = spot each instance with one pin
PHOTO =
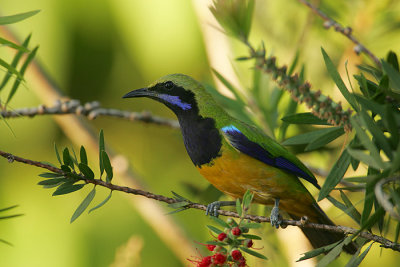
(212, 208)
(276, 218)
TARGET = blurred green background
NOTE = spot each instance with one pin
(99, 50)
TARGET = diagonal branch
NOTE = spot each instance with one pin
(330, 228)
(346, 31)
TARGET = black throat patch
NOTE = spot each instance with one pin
(201, 137)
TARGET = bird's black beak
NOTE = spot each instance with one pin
(143, 92)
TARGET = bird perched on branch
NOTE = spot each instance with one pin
(235, 156)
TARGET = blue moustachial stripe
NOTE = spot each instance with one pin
(248, 147)
(175, 100)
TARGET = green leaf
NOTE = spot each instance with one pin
(359, 259)
(370, 105)
(52, 181)
(28, 60)
(10, 216)
(14, 62)
(343, 207)
(83, 206)
(325, 139)
(350, 208)
(17, 17)
(368, 144)
(65, 168)
(8, 208)
(107, 166)
(363, 157)
(376, 133)
(338, 80)
(86, 171)
(101, 149)
(247, 198)
(309, 137)
(238, 207)
(304, 118)
(391, 58)
(336, 174)
(67, 157)
(50, 175)
(220, 222)
(394, 76)
(252, 252)
(11, 69)
(57, 154)
(13, 45)
(379, 213)
(83, 155)
(67, 188)
(229, 86)
(214, 229)
(318, 251)
(390, 123)
(331, 256)
(248, 236)
(101, 204)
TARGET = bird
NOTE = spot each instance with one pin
(235, 157)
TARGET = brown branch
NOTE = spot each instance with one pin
(330, 228)
(346, 31)
(91, 110)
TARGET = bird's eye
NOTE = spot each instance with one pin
(169, 85)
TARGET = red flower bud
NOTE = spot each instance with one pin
(211, 247)
(219, 258)
(221, 236)
(236, 255)
(242, 262)
(205, 262)
(236, 231)
(248, 243)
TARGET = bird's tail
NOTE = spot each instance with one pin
(319, 238)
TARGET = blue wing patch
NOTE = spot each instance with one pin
(244, 145)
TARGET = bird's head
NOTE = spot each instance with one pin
(181, 93)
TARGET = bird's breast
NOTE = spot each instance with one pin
(233, 173)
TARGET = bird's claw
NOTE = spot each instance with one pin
(276, 218)
(212, 208)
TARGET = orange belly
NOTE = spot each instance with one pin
(233, 173)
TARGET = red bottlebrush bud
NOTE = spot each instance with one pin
(205, 262)
(236, 255)
(248, 243)
(242, 262)
(236, 231)
(219, 258)
(222, 236)
(211, 247)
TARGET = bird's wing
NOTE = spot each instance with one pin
(252, 142)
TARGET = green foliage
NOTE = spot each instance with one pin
(371, 127)
(70, 179)
(21, 50)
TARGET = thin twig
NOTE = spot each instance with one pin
(91, 110)
(330, 228)
(346, 31)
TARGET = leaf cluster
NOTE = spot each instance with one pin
(75, 173)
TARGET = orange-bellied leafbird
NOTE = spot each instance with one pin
(235, 157)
